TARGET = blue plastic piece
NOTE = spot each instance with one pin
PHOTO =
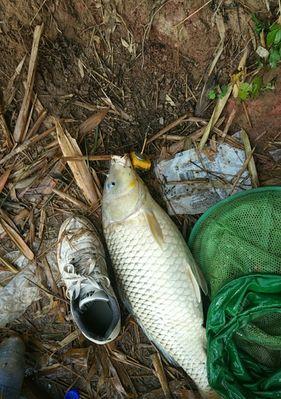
(72, 394)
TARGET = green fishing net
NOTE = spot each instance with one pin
(238, 236)
(237, 244)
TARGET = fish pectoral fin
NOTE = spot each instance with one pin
(198, 275)
(154, 227)
(195, 285)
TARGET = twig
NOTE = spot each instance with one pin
(242, 170)
(251, 165)
(24, 111)
(168, 128)
(229, 122)
(26, 144)
(247, 114)
(37, 12)
(73, 200)
(88, 158)
(193, 13)
(37, 124)
(49, 293)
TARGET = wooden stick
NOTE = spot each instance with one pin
(88, 158)
(25, 107)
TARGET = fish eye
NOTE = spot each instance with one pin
(110, 184)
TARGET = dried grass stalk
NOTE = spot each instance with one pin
(242, 170)
(42, 223)
(159, 369)
(11, 86)
(8, 265)
(4, 128)
(251, 165)
(215, 116)
(37, 124)
(26, 144)
(75, 201)
(17, 239)
(80, 170)
(22, 120)
(167, 128)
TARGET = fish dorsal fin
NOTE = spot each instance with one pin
(154, 227)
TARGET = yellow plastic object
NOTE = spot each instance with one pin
(140, 161)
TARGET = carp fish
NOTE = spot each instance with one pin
(155, 271)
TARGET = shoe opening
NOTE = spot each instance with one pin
(96, 319)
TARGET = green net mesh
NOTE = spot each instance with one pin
(239, 236)
(237, 244)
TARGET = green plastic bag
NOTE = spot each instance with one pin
(244, 338)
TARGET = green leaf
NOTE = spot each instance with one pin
(212, 94)
(274, 58)
(270, 37)
(245, 90)
(259, 24)
(256, 86)
(277, 37)
(223, 92)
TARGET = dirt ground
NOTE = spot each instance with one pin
(147, 67)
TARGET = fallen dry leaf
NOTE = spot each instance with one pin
(80, 169)
(93, 121)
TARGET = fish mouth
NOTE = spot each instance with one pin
(122, 161)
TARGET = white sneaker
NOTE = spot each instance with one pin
(81, 261)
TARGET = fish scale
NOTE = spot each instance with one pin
(155, 279)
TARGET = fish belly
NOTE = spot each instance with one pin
(155, 282)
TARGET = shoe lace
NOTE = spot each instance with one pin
(89, 273)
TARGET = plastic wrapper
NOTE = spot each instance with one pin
(193, 181)
(19, 293)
